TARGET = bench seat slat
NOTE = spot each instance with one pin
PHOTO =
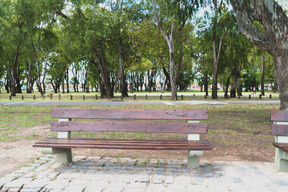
(279, 116)
(128, 126)
(130, 114)
(283, 146)
(279, 130)
(125, 144)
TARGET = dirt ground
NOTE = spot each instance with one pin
(18, 153)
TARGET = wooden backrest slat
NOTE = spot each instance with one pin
(131, 114)
(279, 116)
(130, 126)
(279, 130)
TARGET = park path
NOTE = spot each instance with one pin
(125, 174)
(120, 103)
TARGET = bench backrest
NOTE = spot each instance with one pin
(279, 128)
(136, 120)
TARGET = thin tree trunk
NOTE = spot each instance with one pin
(262, 75)
(216, 52)
(227, 85)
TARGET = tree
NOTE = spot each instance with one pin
(168, 36)
(272, 38)
(217, 47)
(174, 12)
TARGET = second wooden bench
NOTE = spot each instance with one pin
(127, 120)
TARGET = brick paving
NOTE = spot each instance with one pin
(93, 174)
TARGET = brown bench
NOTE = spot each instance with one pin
(127, 120)
(280, 131)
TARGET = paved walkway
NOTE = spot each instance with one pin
(120, 103)
(95, 174)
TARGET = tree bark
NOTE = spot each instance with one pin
(273, 39)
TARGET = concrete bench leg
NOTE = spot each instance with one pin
(194, 158)
(63, 155)
(281, 160)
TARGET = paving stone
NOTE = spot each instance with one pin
(169, 179)
(282, 183)
(136, 186)
(130, 162)
(75, 188)
(157, 179)
(115, 186)
(15, 185)
(95, 187)
(142, 178)
(35, 186)
(79, 158)
(56, 185)
(183, 180)
(155, 188)
(175, 188)
(236, 180)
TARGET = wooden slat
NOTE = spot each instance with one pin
(130, 114)
(125, 144)
(279, 130)
(130, 126)
(279, 115)
(283, 146)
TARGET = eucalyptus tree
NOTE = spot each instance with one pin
(171, 12)
(272, 39)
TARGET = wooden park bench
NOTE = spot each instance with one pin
(280, 131)
(127, 120)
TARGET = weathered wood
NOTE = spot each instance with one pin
(283, 146)
(128, 126)
(125, 144)
(130, 114)
(279, 116)
(279, 130)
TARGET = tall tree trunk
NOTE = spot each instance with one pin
(273, 39)
(28, 87)
(169, 39)
(262, 75)
(206, 84)
(44, 76)
(123, 84)
(216, 52)
(38, 64)
(67, 80)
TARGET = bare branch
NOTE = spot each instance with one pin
(59, 12)
(158, 20)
